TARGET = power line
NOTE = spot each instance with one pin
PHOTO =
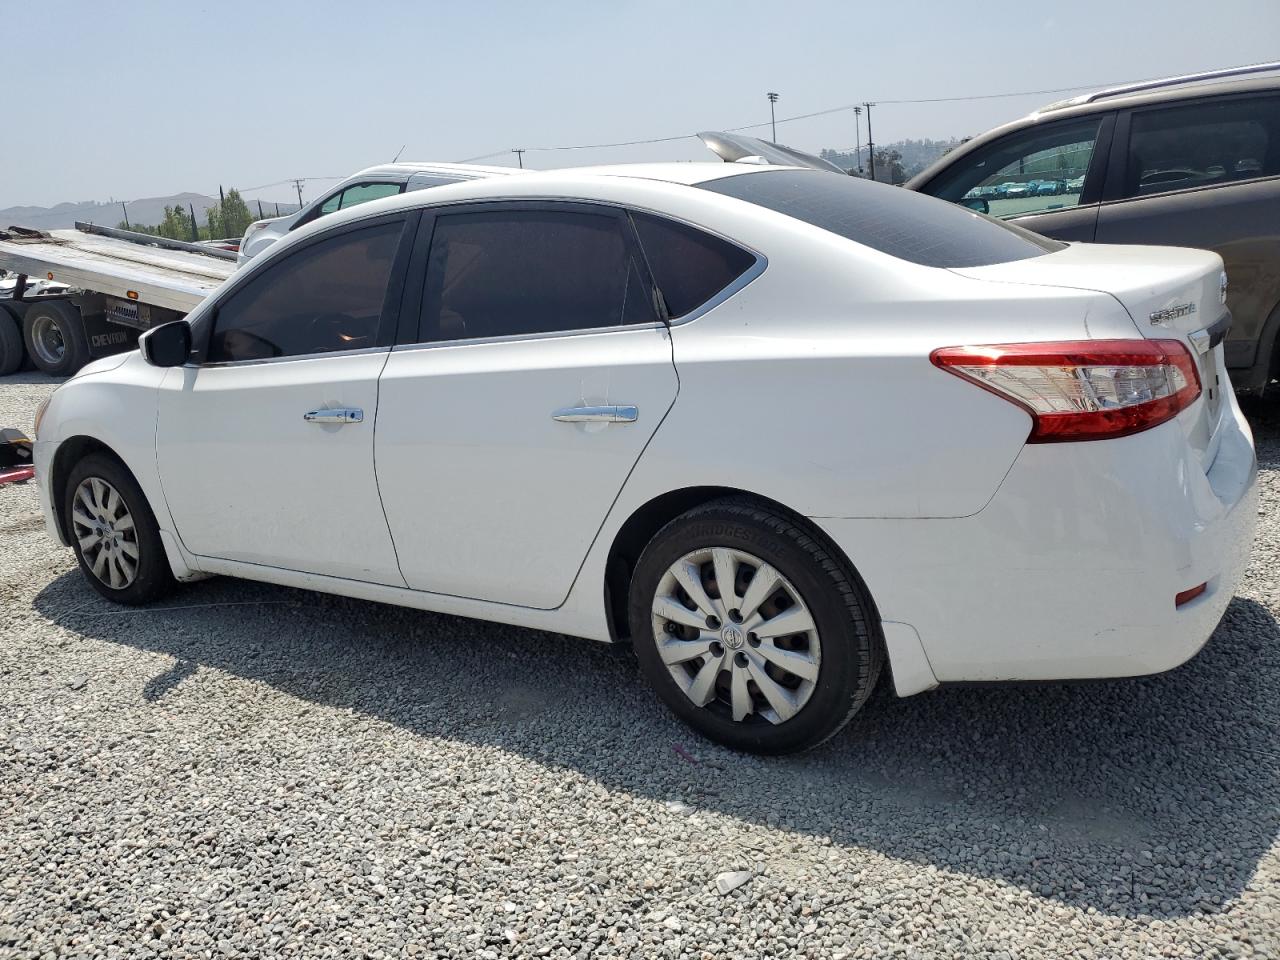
(800, 116)
(290, 180)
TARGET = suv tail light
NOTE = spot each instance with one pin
(1083, 389)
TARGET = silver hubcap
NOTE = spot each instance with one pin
(736, 635)
(47, 341)
(104, 530)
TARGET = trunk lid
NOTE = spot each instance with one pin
(1168, 292)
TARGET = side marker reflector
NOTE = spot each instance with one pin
(1186, 596)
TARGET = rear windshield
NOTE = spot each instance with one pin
(899, 222)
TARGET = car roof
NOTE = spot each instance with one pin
(407, 168)
(1094, 104)
(688, 173)
(1173, 90)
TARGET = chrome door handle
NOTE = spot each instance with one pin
(336, 415)
(611, 413)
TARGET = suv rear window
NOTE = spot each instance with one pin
(901, 223)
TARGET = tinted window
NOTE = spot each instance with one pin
(1031, 171)
(327, 296)
(530, 271)
(364, 192)
(1202, 145)
(360, 193)
(901, 223)
(421, 181)
(689, 266)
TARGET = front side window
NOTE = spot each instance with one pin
(524, 272)
(1031, 171)
(357, 194)
(327, 296)
(898, 222)
(1203, 144)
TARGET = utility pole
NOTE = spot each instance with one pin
(773, 123)
(195, 231)
(871, 147)
(519, 152)
(126, 215)
(857, 138)
(297, 185)
(261, 215)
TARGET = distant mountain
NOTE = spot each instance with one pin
(149, 211)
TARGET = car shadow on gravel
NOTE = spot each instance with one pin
(1136, 798)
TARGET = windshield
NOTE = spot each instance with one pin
(901, 223)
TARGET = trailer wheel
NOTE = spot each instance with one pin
(11, 351)
(55, 338)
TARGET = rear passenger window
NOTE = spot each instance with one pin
(689, 266)
(327, 296)
(524, 272)
(1203, 144)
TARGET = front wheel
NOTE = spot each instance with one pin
(114, 533)
(752, 630)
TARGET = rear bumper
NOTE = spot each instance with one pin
(1071, 570)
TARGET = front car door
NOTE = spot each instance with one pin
(518, 404)
(1046, 177)
(265, 444)
(1206, 173)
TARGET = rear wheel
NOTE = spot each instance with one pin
(11, 350)
(55, 338)
(114, 533)
(752, 630)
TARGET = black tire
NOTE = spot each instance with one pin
(11, 350)
(848, 626)
(153, 578)
(66, 323)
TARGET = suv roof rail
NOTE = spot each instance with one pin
(1139, 86)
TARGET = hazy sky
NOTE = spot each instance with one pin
(137, 99)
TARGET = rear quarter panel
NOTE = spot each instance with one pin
(813, 386)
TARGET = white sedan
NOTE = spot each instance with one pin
(778, 429)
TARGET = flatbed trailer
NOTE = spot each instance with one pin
(121, 283)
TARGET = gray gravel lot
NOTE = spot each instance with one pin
(258, 771)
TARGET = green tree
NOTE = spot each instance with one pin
(230, 218)
(176, 224)
(151, 231)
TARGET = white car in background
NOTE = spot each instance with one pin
(774, 427)
(372, 183)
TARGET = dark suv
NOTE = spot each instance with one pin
(1187, 162)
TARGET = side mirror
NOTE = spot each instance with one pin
(976, 203)
(168, 345)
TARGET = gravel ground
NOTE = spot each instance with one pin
(257, 771)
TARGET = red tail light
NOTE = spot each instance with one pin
(1083, 389)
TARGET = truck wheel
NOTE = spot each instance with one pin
(55, 338)
(11, 351)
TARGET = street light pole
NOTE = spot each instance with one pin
(773, 123)
(871, 147)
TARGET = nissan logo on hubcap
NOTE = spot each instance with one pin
(732, 637)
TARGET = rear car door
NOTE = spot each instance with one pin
(265, 445)
(1205, 173)
(1046, 177)
(509, 419)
